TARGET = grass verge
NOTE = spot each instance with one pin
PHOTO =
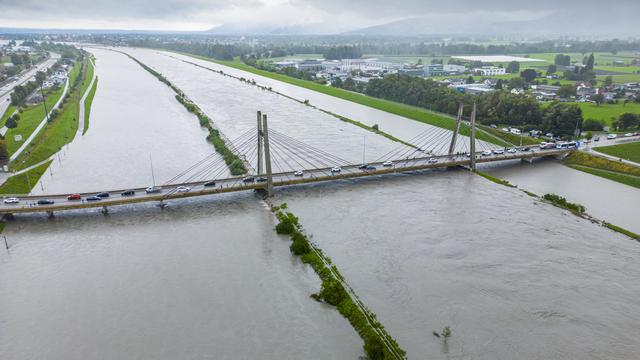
(495, 179)
(630, 151)
(6, 115)
(378, 344)
(19, 184)
(87, 106)
(630, 234)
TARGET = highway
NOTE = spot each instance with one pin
(28, 204)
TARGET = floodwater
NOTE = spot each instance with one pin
(511, 276)
(200, 279)
(605, 199)
(134, 121)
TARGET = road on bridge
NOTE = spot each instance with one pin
(29, 204)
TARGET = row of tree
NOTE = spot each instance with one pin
(498, 107)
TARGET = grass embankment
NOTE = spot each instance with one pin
(61, 129)
(19, 184)
(624, 231)
(630, 151)
(87, 106)
(30, 118)
(88, 76)
(378, 344)
(412, 112)
(234, 163)
(608, 169)
(495, 179)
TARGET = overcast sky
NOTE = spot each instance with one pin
(334, 15)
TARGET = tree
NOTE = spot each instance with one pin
(528, 75)
(608, 81)
(598, 99)
(562, 119)
(470, 80)
(516, 83)
(566, 91)
(513, 67)
(589, 63)
(552, 69)
(499, 84)
(16, 59)
(592, 125)
(4, 153)
(40, 77)
(563, 60)
(628, 121)
(588, 135)
(337, 82)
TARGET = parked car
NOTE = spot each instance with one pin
(93, 198)
(153, 189)
(11, 200)
(103, 195)
(45, 202)
(74, 197)
(597, 138)
(128, 193)
(298, 173)
(628, 134)
(336, 169)
(183, 189)
(387, 163)
(209, 183)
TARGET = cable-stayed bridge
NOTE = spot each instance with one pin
(274, 159)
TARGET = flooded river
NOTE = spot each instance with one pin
(208, 277)
(513, 277)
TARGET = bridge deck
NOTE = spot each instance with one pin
(28, 203)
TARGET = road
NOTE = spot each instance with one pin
(27, 203)
(5, 91)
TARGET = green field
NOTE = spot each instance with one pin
(87, 106)
(408, 111)
(30, 118)
(630, 151)
(607, 112)
(87, 77)
(509, 137)
(19, 184)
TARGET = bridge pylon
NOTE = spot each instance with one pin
(259, 168)
(454, 137)
(267, 155)
(472, 144)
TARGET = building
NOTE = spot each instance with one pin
(310, 65)
(454, 69)
(434, 70)
(413, 70)
(285, 64)
(472, 88)
(490, 71)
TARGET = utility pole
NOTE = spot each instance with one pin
(473, 138)
(260, 161)
(267, 156)
(44, 103)
(454, 137)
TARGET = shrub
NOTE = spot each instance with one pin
(300, 245)
(562, 202)
(332, 292)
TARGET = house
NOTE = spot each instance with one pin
(490, 71)
(618, 63)
(585, 91)
(310, 65)
(517, 91)
(472, 88)
(412, 70)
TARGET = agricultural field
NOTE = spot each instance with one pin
(608, 112)
(630, 151)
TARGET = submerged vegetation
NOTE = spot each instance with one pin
(234, 162)
(378, 344)
(563, 203)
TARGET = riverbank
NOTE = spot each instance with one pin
(378, 344)
(605, 168)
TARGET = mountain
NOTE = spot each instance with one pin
(244, 29)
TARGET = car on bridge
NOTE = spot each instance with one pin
(432, 161)
(336, 169)
(486, 153)
(248, 179)
(153, 189)
(298, 173)
(94, 198)
(209, 183)
(128, 193)
(498, 151)
(512, 151)
(11, 200)
(45, 202)
(261, 179)
(612, 136)
(103, 195)
(183, 189)
(363, 166)
(74, 197)
(387, 163)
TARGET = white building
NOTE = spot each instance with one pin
(490, 71)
